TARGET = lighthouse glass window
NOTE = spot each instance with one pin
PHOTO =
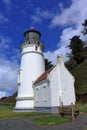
(30, 36)
(27, 37)
(37, 37)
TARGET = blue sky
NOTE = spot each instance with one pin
(57, 20)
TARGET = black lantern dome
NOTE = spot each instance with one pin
(32, 35)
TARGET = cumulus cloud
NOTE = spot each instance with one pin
(3, 18)
(8, 76)
(71, 18)
(41, 14)
(3, 94)
(8, 67)
(74, 14)
(4, 41)
(6, 45)
(52, 56)
(7, 3)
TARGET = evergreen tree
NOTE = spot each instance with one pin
(48, 64)
(70, 64)
(85, 33)
(85, 27)
(77, 49)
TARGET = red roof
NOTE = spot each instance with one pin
(44, 75)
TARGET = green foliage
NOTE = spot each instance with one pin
(10, 99)
(82, 106)
(77, 64)
(48, 64)
(77, 49)
(85, 27)
(80, 74)
(71, 64)
(51, 120)
(85, 128)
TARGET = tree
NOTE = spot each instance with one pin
(85, 33)
(85, 27)
(77, 49)
(70, 64)
(48, 64)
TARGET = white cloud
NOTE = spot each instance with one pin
(7, 3)
(41, 14)
(3, 18)
(4, 41)
(3, 94)
(52, 56)
(74, 14)
(8, 76)
(35, 19)
(7, 48)
(8, 67)
(71, 19)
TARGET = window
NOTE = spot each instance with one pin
(19, 77)
(26, 37)
(44, 91)
(37, 94)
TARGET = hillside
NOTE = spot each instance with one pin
(10, 99)
(80, 74)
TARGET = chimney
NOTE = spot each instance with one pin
(60, 59)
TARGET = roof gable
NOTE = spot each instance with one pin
(44, 75)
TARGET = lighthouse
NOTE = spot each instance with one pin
(32, 66)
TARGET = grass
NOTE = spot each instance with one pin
(51, 120)
(85, 128)
(82, 106)
(6, 112)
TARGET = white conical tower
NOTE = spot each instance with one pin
(32, 66)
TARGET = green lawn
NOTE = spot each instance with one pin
(6, 112)
(51, 120)
(85, 128)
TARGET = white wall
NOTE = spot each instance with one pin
(62, 86)
(42, 97)
(67, 83)
(54, 86)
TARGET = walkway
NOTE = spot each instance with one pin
(25, 123)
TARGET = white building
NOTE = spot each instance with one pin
(39, 90)
(54, 87)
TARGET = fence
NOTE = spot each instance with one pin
(69, 110)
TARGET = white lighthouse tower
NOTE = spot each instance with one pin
(32, 66)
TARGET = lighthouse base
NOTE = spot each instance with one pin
(24, 104)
